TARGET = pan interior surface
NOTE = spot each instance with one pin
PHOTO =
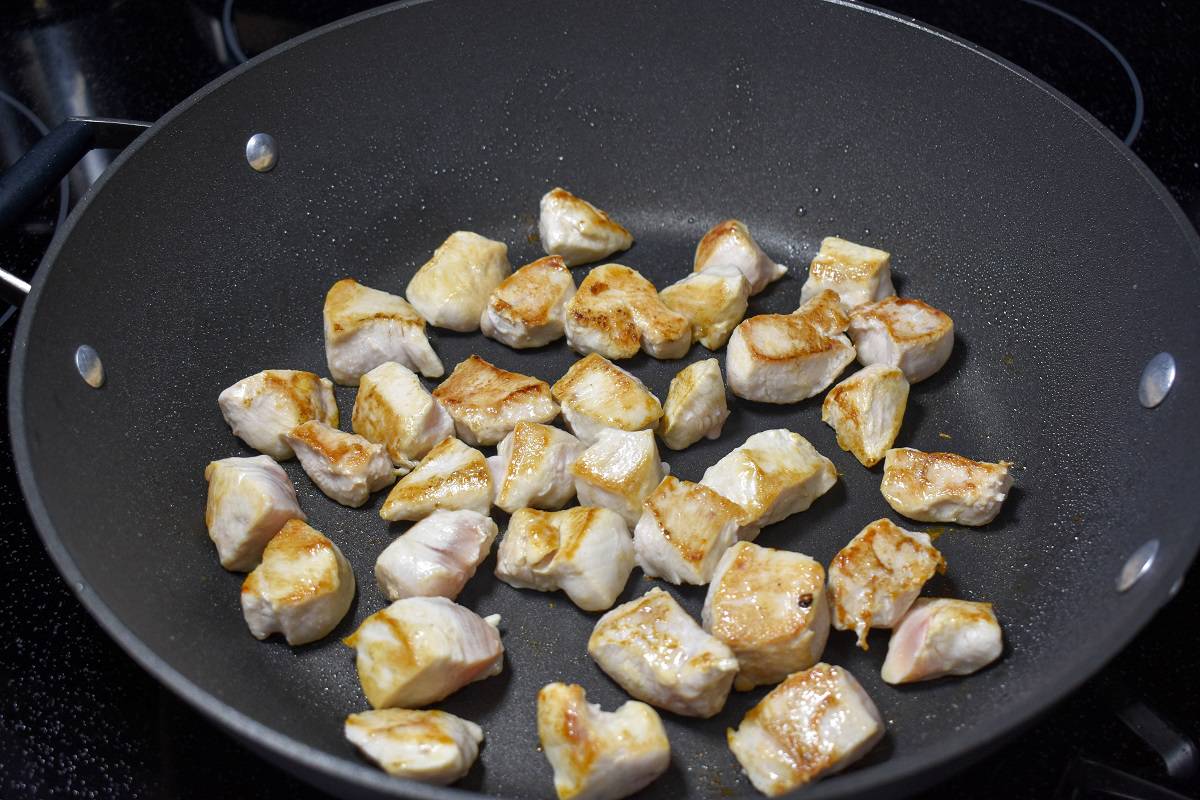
(1060, 260)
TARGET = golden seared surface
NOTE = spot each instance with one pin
(607, 394)
(451, 476)
(906, 319)
(349, 304)
(487, 402)
(690, 516)
(616, 311)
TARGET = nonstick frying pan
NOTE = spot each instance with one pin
(1064, 263)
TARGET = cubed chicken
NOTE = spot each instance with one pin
(815, 723)
(302, 588)
(345, 466)
(769, 606)
(437, 556)
(249, 500)
(944, 487)
(420, 650)
(596, 394)
(774, 474)
(875, 578)
(905, 333)
(532, 468)
(617, 312)
(395, 410)
(451, 476)
(428, 746)
(573, 228)
(487, 402)
(528, 307)
(866, 411)
(658, 654)
(939, 637)
(714, 301)
(696, 407)
(366, 327)
(684, 530)
(452, 288)
(585, 552)
(730, 243)
(599, 755)
(859, 274)
(619, 472)
(263, 408)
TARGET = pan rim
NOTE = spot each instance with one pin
(905, 775)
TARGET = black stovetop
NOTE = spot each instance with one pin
(79, 718)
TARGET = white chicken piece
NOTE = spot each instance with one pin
(596, 394)
(944, 487)
(730, 243)
(365, 327)
(437, 556)
(859, 274)
(428, 746)
(420, 650)
(599, 755)
(263, 408)
(815, 723)
(866, 411)
(249, 500)
(617, 312)
(714, 301)
(905, 333)
(395, 410)
(302, 588)
(532, 468)
(941, 636)
(684, 531)
(487, 402)
(345, 466)
(451, 476)
(619, 471)
(774, 474)
(573, 228)
(769, 607)
(452, 288)
(585, 552)
(528, 307)
(696, 407)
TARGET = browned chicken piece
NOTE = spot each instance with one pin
(858, 274)
(429, 746)
(715, 301)
(451, 476)
(685, 529)
(596, 394)
(866, 410)
(944, 487)
(528, 307)
(616, 312)
(618, 472)
(451, 289)
(487, 402)
(696, 407)
(939, 637)
(903, 332)
(573, 228)
(262, 409)
(365, 327)
(393, 408)
(730, 243)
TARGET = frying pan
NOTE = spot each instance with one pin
(1064, 263)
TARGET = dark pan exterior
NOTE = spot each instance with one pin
(1062, 260)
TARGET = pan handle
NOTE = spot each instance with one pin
(26, 182)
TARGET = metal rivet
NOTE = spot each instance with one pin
(1157, 379)
(1137, 565)
(262, 152)
(87, 361)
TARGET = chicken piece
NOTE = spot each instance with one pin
(429, 746)
(815, 723)
(420, 650)
(437, 556)
(596, 394)
(684, 531)
(696, 408)
(944, 487)
(774, 474)
(785, 358)
(249, 500)
(585, 552)
(599, 755)
(905, 333)
(876, 577)
(366, 327)
(395, 410)
(730, 243)
(263, 408)
(939, 637)
(302, 588)
(532, 468)
(619, 471)
(714, 301)
(452, 288)
(769, 606)
(858, 274)
(451, 476)
(866, 411)
(616, 312)
(573, 228)
(345, 466)
(487, 402)
(528, 307)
